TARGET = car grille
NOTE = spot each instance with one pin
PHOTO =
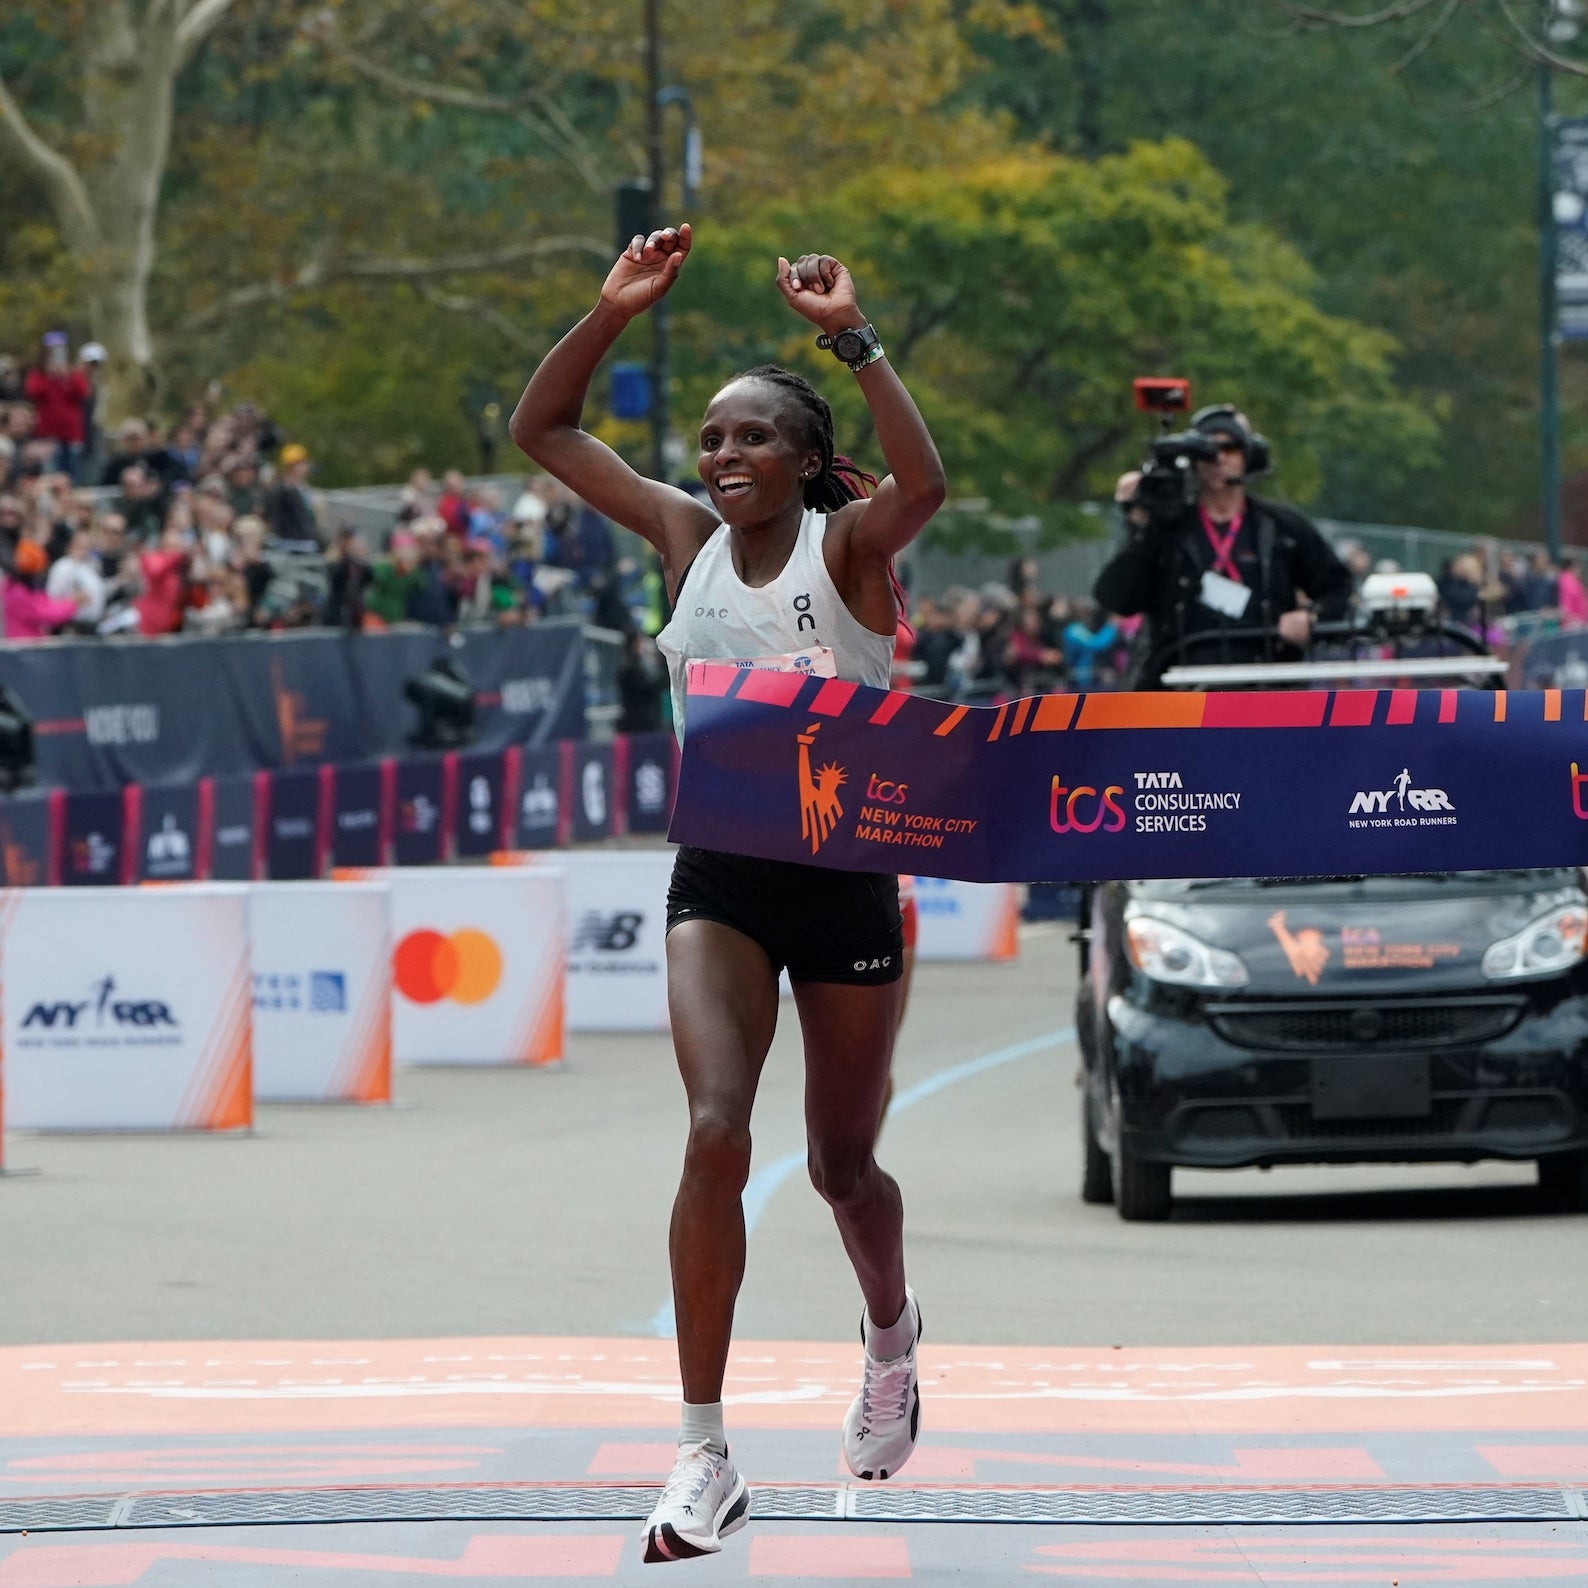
(1340, 1026)
(1444, 1120)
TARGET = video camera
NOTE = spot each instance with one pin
(1168, 477)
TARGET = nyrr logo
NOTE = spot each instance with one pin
(607, 934)
(1376, 802)
(1083, 810)
(820, 809)
(108, 1010)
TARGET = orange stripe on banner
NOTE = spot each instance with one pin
(373, 1081)
(1353, 708)
(1447, 704)
(1054, 713)
(1551, 705)
(951, 722)
(545, 1045)
(10, 902)
(365, 1074)
(1402, 707)
(355, 874)
(998, 722)
(1142, 711)
(1022, 711)
(225, 1086)
(890, 708)
(1499, 705)
(1006, 942)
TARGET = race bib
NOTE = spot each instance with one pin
(816, 662)
(1224, 596)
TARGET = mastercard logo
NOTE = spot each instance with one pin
(465, 966)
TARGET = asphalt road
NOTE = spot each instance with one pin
(510, 1202)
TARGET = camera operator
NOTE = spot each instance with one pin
(1205, 561)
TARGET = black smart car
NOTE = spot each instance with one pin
(1425, 1018)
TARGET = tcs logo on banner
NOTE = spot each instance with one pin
(1083, 810)
(465, 966)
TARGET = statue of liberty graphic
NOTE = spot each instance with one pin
(819, 806)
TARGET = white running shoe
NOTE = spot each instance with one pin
(885, 1420)
(703, 1502)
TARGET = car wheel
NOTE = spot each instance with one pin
(1097, 1175)
(1563, 1178)
(1141, 1190)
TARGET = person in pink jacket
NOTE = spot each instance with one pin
(1571, 597)
(29, 613)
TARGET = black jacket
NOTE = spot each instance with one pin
(1158, 572)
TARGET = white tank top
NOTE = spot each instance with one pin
(720, 618)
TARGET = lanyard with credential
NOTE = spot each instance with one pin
(1223, 545)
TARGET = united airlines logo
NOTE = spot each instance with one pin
(820, 809)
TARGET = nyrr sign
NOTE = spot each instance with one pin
(160, 1039)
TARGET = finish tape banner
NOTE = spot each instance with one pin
(1102, 787)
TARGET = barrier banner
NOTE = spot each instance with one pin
(417, 836)
(26, 839)
(593, 793)
(648, 781)
(538, 813)
(233, 849)
(1093, 787)
(128, 1009)
(110, 712)
(321, 963)
(967, 920)
(164, 832)
(358, 820)
(477, 823)
(617, 935)
(292, 843)
(477, 963)
(95, 838)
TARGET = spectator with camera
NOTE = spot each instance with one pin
(1219, 574)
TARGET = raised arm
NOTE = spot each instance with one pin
(548, 422)
(818, 287)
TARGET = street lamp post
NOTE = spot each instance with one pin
(1548, 312)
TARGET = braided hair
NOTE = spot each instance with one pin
(837, 480)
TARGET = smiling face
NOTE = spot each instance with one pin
(754, 455)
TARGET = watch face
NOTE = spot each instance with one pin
(849, 345)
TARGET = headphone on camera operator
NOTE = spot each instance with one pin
(1203, 558)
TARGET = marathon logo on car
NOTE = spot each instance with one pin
(103, 1019)
(1402, 806)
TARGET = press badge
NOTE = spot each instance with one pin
(1224, 596)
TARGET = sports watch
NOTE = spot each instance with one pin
(857, 346)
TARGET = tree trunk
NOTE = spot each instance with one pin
(129, 78)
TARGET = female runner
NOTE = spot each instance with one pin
(786, 560)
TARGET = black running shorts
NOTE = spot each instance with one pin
(832, 926)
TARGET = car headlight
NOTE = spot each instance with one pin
(1553, 942)
(1165, 953)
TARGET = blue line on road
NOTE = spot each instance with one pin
(765, 1183)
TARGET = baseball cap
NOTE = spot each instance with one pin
(293, 452)
(92, 353)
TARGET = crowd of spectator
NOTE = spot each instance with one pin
(212, 525)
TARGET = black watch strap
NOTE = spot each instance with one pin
(855, 346)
